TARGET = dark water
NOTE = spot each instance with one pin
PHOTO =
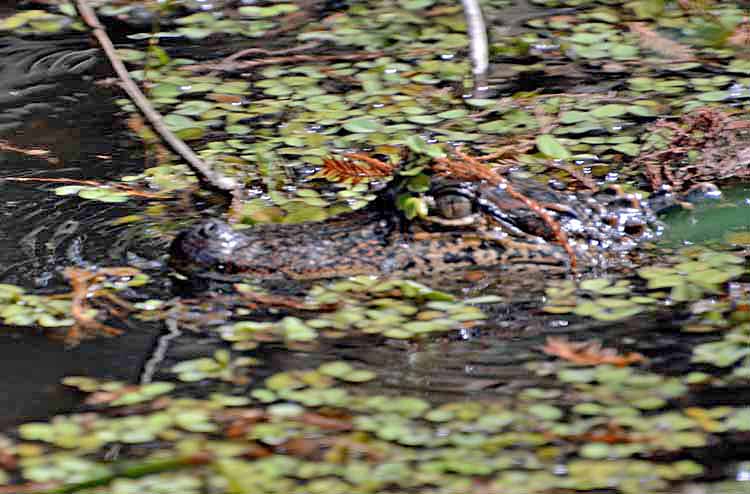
(41, 233)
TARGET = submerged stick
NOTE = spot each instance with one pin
(201, 169)
(478, 46)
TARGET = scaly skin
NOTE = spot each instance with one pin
(379, 240)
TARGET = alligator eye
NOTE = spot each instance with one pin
(454, 206)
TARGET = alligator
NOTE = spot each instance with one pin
(467, 224)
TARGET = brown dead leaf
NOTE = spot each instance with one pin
(104, 397)
(326, 422)
(588, 353)
(741, 35)
(653, 41)
(354, 167)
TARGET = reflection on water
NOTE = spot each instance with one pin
(711, 220)
(41, 233)
(32, 366)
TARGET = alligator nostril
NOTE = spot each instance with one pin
(635, 229)
(210, 229)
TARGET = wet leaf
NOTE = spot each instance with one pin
(589, 353)
(551, 147)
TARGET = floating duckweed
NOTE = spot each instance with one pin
(336, 369)
(271, 11)
(102, 194)
(220, 366)
(703, 272)
(399, 318)
(17, 308)
(115, 393)
(601, 301)
(466, 439)
(37, 22)
(320, 430)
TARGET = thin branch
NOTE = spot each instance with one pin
(204, 172)
(477, 31)
(31, 488)
(282, 301)
(81, 281)
(288, 59)
(159, 353)
(35, 153)
(260, 51)
(125, 189)
(269, 53)
(469, 168)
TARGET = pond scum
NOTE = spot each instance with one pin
(645, 93)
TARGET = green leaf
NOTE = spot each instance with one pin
(68, 190)
(628, 148)
(714, 96)
(362, 125)
(416, 4)
(613, 110)
(646, 9)
(178, 122)
(545, 412)
(570, 117)
(272, 11)
(551, 147)
(413, 207)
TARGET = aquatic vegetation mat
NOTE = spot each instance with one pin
(292, 100)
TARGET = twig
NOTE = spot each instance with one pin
(290, 59)
(586, 181)
(204, 172)
(477, 44)
(260, 51)
(91, 183)
(36, 153)
(160, 352)
(282, 301)
(31, 488)
(81, 281)
(131, 191)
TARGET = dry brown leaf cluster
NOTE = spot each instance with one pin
(589, 353)
(653, 41)
(355, 167)
(723, 144)
(86, 289)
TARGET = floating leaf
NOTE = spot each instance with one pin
(550, 146)
(588, 353)
(362, 125)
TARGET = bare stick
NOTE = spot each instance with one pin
(159, 354)
(477, 31)
(203, 171)
(289, 59)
